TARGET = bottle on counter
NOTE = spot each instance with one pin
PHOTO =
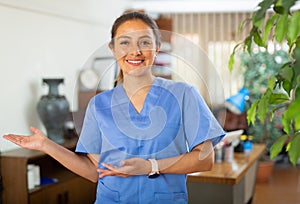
(240, 146)
(219, 152)
(248, 144)
(228, 152)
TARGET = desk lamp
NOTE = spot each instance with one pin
(236, 103)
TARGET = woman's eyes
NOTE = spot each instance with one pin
(124, 43)
(142, 43)
(145, 43)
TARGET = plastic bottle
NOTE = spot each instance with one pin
(248, 145)
(240, 146)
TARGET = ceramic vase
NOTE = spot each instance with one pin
(53, 109)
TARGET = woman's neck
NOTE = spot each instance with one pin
(137, 85)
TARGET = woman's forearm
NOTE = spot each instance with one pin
(79, 164)
(194, 161)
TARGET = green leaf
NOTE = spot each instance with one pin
(271, 115)
(279, 9)
(286, 72)
(248, 43)
(297, 123)
(296, 65)
(287, 86)
(262, 107)
(260, 14)
(283, 6)
(291, 114)
(231, 59)
(242, 25)
(294, 27)
(257, 39)
(285, 75)
(287, 4)
(281, 28)
(271, 82)
(294, 150)
(278, 145)
(278, 98)
(286, 123)
(268, 27)
(231, 62)
(251, 113)
(294, 109)
(297, 92)
(297, 50)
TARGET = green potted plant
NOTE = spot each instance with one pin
(282, 26)
(257, 68)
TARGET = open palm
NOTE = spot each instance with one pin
(34, 141)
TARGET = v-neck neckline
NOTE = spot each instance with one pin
(145, 101)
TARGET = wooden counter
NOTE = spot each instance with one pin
(228, 182)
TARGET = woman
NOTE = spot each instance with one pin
(140, 139)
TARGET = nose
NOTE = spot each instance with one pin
(135, 50)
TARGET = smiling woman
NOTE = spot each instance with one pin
(140, 139)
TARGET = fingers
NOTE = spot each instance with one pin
(104, 172)
(34, 130)
(109, 166)
(10, 137)
(107, 172)
(13, 138)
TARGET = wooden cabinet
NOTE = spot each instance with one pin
(232, 182)
(75, 190)
(69, 188)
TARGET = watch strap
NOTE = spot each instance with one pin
(154, 169)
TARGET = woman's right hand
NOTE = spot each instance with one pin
(34, 141)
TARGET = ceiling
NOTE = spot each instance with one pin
(180, 6)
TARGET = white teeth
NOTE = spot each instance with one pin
(135, 61)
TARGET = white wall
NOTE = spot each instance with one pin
(41, 39)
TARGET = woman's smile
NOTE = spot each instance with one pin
(135, 62)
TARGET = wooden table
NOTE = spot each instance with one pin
(228, 182)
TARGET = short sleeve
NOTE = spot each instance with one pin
(90, 137)
(198, 121)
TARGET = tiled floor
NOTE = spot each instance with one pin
(282, 188)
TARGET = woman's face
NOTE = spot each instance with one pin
(134, 47)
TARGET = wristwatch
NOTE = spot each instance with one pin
(154, 172)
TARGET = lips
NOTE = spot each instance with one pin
(135, 62)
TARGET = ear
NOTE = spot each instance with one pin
(157, 50)
(111, 47)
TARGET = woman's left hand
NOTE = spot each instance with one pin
(129, 167)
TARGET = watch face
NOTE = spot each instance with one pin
(153, 175)
(89, 78)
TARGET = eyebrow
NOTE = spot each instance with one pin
(120, 37)
(128, 37)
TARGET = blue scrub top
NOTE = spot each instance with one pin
(173, 120)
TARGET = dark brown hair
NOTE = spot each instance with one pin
(134, 16)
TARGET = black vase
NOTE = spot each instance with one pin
(53, 110)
